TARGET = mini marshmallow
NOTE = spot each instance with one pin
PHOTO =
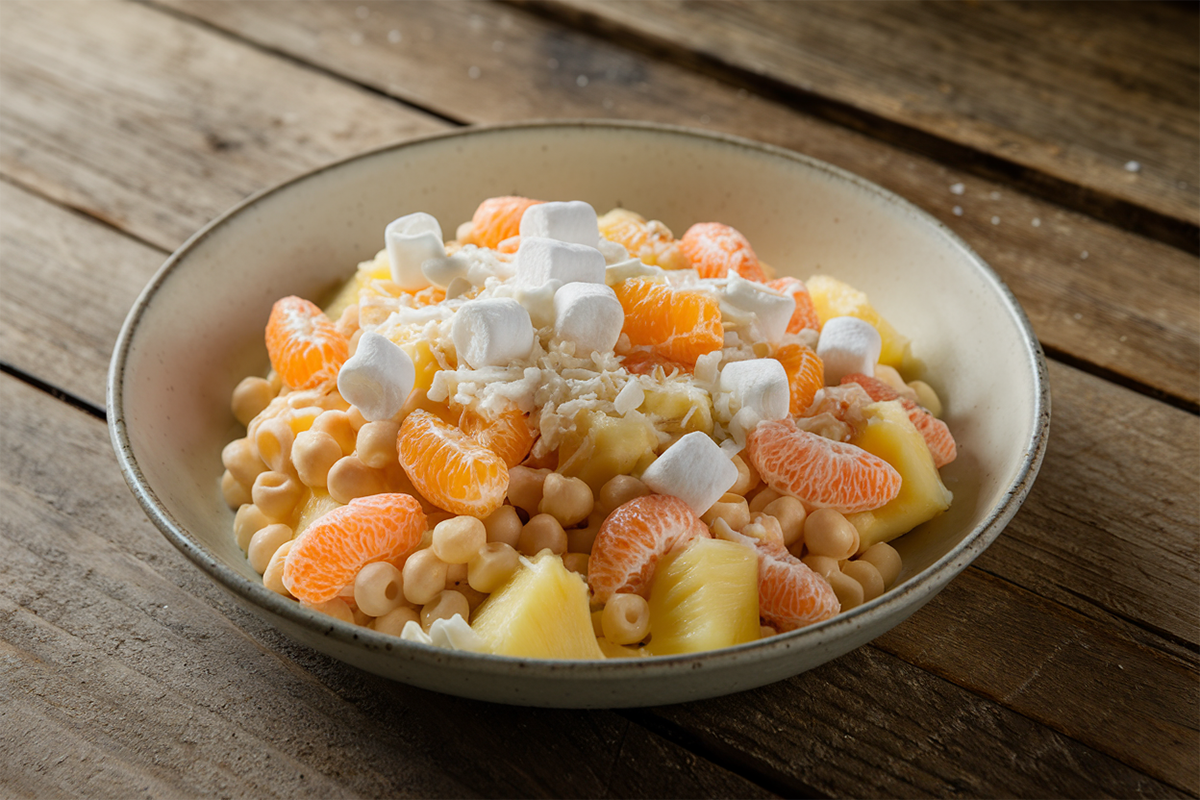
(411, 240)
(848, 345)
(492, 333)
(695, 470)
(442, 270)
(541, 260)
(759, 385)
(573, 221)
(773, 309)
(377, 378)
(588, 314)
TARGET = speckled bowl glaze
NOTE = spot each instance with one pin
(197, 330)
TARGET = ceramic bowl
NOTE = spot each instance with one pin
(196, 330)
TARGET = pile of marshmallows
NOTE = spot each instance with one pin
(559, 258)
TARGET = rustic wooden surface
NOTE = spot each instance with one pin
(1063, 662)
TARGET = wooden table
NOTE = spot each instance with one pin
(1061, 141)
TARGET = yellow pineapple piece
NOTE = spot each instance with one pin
(703, 598)
(315, 505)
(604, 447)
(611, 650)
(832, 298)
(424, 361)
(541, 612)
(679, 407)
(889, 434)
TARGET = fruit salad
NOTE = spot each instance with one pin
(562, 435)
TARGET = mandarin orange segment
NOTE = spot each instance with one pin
(649, 241)
(633, 539)
(935, 432)
(304, 345)
(820, 472)
(331, 551)
(715, 250)
(497, 219)
(790, 594)
(507, 435)
(449, 468)
(676, 324)
(805, 374)
(805, 315)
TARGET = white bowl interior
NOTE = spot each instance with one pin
(197, 330)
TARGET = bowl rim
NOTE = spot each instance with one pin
(924, 584)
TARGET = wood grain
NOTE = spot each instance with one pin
(156, 126)
(68, 283)
(1119, 303)
(89, 576)
(1057, 96)
(125, 664)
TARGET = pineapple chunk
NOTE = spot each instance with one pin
(425, 363)
(832, 298)
(703, 598)
(679, 408)
(606, 446)
(317, 504)
(890, 435)
(542, 612)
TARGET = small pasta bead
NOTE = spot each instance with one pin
(236, 494)
(576, 562)
(568, 500)
(892, 378)
(504, 525)
(264, 543)
(376, 444)
(626, 618)
(357, 420)
(336, 608)
(747, 479)
(491, 567)
(240, 457)
(302, 419)
(580, 540)
(378, 588)
(791, 515)
(350, 478)
(393, 622)
(598, 622)
(337, 424)
(542, 532)
(618, 491)
(273, 575)
(865, 573)
(456, 540)
(276, 494)
(886, 560)
(334, 402)
(249, 398)
(456, 574)
(849, 591)
(828, 533)
(424, 575)
(273, 439)
(822, 565)
(766, 631)
(730, 507)
(314, 453)
(248, 521)
(525, 488)
(445, 605)
(764, 496)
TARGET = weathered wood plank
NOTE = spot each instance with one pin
(157, 126)
(1066, 98)
(68, 283)
(88, 575)
(1095, 293)
(112, 638)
